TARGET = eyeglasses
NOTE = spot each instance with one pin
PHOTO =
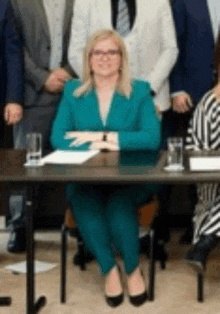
(110, 53)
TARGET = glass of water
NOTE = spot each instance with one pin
(175, 154)
(34, 149)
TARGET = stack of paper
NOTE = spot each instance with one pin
(68, 157)
(204, 163)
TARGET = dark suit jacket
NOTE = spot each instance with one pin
(11, 56)
(34, 26)
(193, 72)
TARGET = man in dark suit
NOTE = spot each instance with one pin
(11, 69)
(197, 30)
(197, 25)
(45, 27)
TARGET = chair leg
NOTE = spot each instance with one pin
(200, 286)
(81, 252)
(5, 301)
(162, 255)
(151, 266)
(63, 264)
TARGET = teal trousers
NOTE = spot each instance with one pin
(106, 217)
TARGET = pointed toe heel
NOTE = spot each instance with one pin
(139, 299)
(114, 301)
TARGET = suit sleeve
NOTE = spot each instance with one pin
(169, 50)
(148, 135)
(79, 34)
(65, 122)
(35, 75)
(14, 58)
(179, 14)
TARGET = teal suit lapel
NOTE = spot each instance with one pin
(117, 115)
(118, 112)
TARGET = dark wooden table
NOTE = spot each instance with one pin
(113, 167)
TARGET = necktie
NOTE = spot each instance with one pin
(217, 59)
(123, 21)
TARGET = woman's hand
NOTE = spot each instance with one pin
(81, 138)
(100, 145)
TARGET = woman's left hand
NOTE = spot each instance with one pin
(81, 138)
(99, 145)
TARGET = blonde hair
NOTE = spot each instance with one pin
(124, 83)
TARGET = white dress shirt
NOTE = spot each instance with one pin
(214, 11)
(55, 15)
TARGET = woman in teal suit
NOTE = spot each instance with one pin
(110, 111)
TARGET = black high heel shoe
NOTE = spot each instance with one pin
(115, 300)
(139, 299)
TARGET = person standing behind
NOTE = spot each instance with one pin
(197, 27)
(148, 31)
(11, 68)
(45, 26)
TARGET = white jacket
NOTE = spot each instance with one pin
(151, 44)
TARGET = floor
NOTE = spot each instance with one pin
(175, 291)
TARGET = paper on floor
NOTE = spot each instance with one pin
(39, 267)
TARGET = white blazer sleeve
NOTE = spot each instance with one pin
(79, 34)
(169, 50)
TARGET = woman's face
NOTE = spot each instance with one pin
(105, 60)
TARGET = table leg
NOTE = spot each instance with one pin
(32, 307)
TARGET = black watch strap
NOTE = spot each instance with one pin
(105, 136)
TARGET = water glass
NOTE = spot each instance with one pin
(175, 153)
(34, 149)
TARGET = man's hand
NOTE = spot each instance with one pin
(56, 80)
(182, 103)
(216, 91)
(62, 74)
(13, 113)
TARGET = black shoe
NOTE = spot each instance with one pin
(198, 253)
(115, 301)
(17, 241)
(139, 299)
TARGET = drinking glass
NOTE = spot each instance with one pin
(34, 149)
(175, 154)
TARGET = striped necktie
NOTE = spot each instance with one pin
(123, 21)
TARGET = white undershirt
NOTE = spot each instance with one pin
(104, 108)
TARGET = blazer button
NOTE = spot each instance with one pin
(48, 47)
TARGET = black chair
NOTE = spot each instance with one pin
(154, 249)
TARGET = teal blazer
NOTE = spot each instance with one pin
(135, 118)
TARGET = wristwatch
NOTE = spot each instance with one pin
(105, 139)
(105, 136)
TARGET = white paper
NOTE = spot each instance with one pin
(68, 157)
(204, 163)
(39, 267)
